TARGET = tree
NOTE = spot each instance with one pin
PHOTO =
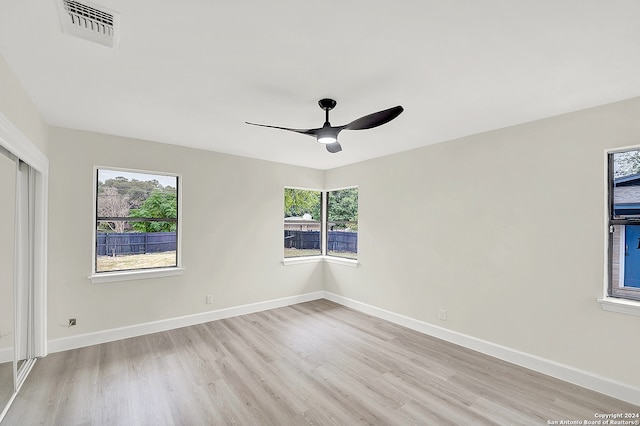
(626, 163)
(159, 205)
(113, 204)
(343, 205)
(298, 202)
(137, 190)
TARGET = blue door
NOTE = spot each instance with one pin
(632, 256)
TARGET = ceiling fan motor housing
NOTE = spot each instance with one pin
(327, 104)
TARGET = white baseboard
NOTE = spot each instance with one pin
(89, 339)
(615, 389)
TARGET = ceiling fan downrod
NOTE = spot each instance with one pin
(327, 105)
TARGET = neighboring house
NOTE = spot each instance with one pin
(304, 223)
(626, 238)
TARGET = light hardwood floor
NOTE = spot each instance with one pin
(314, 363)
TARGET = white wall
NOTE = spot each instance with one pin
(231, 235)
(18, 117)
(17, 107)
(505, 231)
(7, 240)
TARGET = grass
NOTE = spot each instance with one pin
(294, 252)
(135, 261)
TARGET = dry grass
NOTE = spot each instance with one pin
(135, 261)
(294, 252)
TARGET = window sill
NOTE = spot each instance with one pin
(341, 261)
(109, 277)
(314, 259)
(623, 306)
(302, 259)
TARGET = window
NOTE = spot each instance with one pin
(136, 222)
(318, 223)
(302, 222)
(624, 225)
(342, 223)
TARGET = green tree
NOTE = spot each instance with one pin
(158, 205)
(298, 202)
(343, 207)
(343, 204)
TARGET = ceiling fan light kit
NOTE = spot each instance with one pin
(328, 134)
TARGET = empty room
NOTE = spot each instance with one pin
(294, 213)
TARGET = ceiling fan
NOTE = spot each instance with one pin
(328, 134)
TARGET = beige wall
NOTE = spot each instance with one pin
(16, 105)
(17, 108)
(231, 235)
(505, 231)
(7, 239)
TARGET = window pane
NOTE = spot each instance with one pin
(625, 213)
(136, 222)
(342, 223)
(626, 256)
(134, 250)
(302, 222)
(626, 184)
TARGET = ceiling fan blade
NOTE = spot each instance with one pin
(310, 132)
(334, 147)
(374, 120)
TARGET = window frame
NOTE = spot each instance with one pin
(322, 226)
(323, 257)
(619, 300)
(326, 217)
(628, 293)
(141, 273)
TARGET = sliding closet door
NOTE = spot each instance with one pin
(7, 261)
(24, 173)
(24, 269)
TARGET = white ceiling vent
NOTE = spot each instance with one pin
(90, 21)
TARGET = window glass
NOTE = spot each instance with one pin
(136, 221)
(624, 224)
(342, 223)
(302, 222)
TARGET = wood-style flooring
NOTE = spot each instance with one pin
(314, 363)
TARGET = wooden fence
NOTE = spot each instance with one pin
(336, 240)
(113, 244)
(346, 242)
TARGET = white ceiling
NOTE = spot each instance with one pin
(191, 72)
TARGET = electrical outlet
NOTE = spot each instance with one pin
(72, 322)
(442, 315)
(209, 299)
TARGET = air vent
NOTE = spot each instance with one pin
(90, 21)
